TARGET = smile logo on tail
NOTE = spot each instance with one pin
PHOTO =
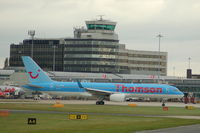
(34, 77)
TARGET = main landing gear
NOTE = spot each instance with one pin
(99, 102)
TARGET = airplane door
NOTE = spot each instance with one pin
(167, 91)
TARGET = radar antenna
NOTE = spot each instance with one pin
(101, 17)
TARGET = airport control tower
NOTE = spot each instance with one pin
(97, 29)
(93, 49)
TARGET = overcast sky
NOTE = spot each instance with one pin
(138, 24)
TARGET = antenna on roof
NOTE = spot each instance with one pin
(101, 17)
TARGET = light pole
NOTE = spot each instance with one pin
(159, 36)
(32, 34)
(189, 59)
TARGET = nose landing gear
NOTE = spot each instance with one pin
(163, 102)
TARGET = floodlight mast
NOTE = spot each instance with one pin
(32, 34)
(159, 68)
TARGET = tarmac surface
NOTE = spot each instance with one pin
(181, 129)
(168, 104)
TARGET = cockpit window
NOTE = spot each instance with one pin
(174, 89)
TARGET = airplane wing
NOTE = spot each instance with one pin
(98, 92)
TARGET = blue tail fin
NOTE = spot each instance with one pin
(34, 72)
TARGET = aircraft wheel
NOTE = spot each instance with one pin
(102, 102)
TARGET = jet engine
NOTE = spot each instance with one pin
(117, 97)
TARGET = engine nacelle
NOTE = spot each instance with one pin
(117, 97)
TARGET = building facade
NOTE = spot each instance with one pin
(44, 51)
(190, 75)
(95, 49)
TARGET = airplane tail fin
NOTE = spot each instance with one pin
(34, 72)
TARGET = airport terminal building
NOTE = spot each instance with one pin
(95, 49)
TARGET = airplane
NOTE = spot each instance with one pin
(11, 90)
(118, 92)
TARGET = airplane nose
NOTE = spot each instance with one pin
(181, 94)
